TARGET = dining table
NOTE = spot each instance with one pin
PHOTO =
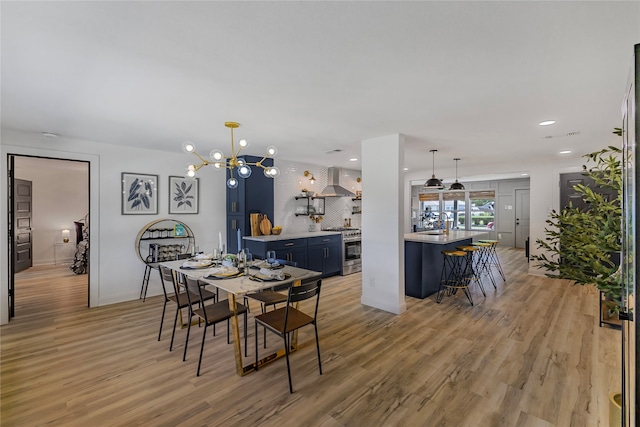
(239, 285)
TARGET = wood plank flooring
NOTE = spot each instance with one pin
(529, 354)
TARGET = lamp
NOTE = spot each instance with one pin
(220, 161)
(312, 180)
(456, 185)
(434, 183)
(65, 235)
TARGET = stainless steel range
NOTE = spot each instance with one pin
(351, 249)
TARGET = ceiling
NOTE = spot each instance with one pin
(471, 79)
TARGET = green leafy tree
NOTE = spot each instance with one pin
(584, 245)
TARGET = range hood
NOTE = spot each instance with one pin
(334, 189)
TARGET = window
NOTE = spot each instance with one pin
(482, 210)
(454, 206)
(429, 210)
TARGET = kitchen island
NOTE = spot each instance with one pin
(423, 258)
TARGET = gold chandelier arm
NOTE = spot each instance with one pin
(260, 165)
(200, 157)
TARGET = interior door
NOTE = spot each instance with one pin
(22, 224)
(522, 218)
(11, 261)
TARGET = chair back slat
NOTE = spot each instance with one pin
(194, 293)
(303, 292)
(166, 275)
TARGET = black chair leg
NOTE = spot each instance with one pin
(264, 339)
(204, 335)
(246, 354)
(286, 349)
(173, 333)
(164, 307)
(318, 348)
(256, 345)
(186, 342)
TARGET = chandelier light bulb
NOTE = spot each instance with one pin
(188, 147)
(272, 172)
(232, 182)
(244, 171)
(191, 168)
(243, 143)
(191, 173)
(218, 165)
(272, 151)
(216, 155)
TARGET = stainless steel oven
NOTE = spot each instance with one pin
(351, 251)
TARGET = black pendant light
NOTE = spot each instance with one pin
(456, 185)
(434, 183)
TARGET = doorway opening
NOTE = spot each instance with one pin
(48, 198)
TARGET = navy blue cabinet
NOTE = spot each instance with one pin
(324, 254)
(290, 250)
(253, 195)
(321, 253)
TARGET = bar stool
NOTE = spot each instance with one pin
(483, 261)
(471, 269)
(493, 256)
(453, 275)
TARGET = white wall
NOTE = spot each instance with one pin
(60, 192)
(116, 272)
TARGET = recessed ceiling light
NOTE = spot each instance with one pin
(524, 174)
(565, 152)
(50, 134)
(353, 159)
(406, 169)
(547, 122)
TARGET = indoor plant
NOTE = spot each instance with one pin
(584, 245)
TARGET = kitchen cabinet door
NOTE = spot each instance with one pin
(297, 255)
(333, 259)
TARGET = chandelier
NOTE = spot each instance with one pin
(233, 163)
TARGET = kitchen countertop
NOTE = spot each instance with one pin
(289, 236)
(442, 239)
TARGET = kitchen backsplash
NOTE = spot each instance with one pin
(292, 181)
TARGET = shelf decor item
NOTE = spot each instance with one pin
(139, 194)
(179, 230)
(233, 163)
(183, 195)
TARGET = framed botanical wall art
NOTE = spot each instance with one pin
(183, 195)
(139, 194)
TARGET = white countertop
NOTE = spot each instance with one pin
(289, 236)
(442, 239)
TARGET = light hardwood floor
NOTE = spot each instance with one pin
(529, 354)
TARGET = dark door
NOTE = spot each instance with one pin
(22, 224)
(569, 196)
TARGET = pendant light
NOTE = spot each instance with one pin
(456, 185)
(434, 183)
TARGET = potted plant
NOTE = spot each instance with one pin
(584, 245)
